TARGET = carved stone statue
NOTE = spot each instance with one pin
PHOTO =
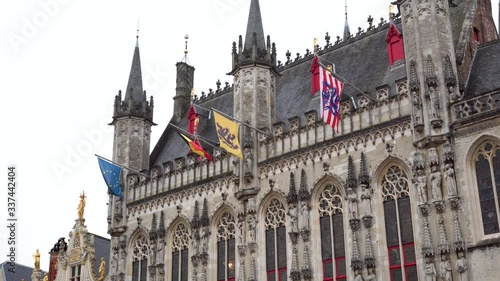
(204, 239)
(371, 275)
(81, 206)
(430, 270)
(241, 232)
(293, 213)
(451, 184)
(462, 267)
(248, 160)
(194, 241)
(36, 258)
(304, 211)
(366, 195)
(417, 107)
(358, 276)
(236, 165)
(421, 184)
(161, 249)
(445, 269)
(352, 200)
(102, 269)
(252, 227)
(434, 103)
(153, 253)
(436, 180)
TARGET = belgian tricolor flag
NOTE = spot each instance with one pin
(195, 147)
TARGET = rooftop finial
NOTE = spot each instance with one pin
(315, 45)
(391, 13)
(347, 31)
(185, 59)
(137, 35)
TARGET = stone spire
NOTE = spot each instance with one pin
(347, 31)
(161, 226)
(254, 26)
(351, 178)
(153, 234)
(356, 262)
(304, 194)
(292, 192)
(195, 222)
(427, 249)
(443, 246)
(134, 87)
(204, 220)
(363, 177)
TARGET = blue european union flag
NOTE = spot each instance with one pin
(111, 174)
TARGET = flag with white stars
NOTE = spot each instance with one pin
(111, 174)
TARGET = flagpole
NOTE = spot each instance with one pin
(193, 136)
(124, 167)
(241, 122)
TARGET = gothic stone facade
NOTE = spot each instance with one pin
(407, 189)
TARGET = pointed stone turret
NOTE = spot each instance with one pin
(364, 177)
(351, 178)
(347, 31)
(195, 222)
(254, 26)
(134, 87)
(153, 234)
(204, 220)
(292, 191)
(304, 194)
(161, 226)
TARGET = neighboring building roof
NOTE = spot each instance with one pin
(21, 271)
(484, 75)
(102, 249)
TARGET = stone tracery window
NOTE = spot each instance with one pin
(398, 225)
(226, 231)
(275, 221)
(487, 168)
(140, 259)
(180, 254)
(332, 234)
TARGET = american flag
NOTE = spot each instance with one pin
(331, 90)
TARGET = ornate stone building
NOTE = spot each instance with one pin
(408, 189)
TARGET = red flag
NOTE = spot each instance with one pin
(315, 75)
(193, 120)
(196, 147)
(331, 91)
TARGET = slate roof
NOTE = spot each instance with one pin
(21, 271)
(484, 75)
(363, 61)
(102, 249)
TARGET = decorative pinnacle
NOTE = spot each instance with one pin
(186, 37)
(315, 45)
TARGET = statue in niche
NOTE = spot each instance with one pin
(102, 269)
(161, 249)
(371, 275)
(451, 184)
(252, 227)
(293, 214)
(417, 107)
(365, 200)
(153, 253)
(435, 178)
(430, 270)
(421, 184)
(236, 165)
(453, 95)
(304, 211)
(204, 239)
(352, 201)
(118, 206)
(194, 241)
(462, 267)
(241, 236)
(358, 277)
(114, 263)
(434, 103)
(248, 160)
(445, 269)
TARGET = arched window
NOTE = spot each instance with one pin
(140, 259)
(226, 230)
(180, 255)
(398, 225)
(276, 241)
(487, 162)
(332, 234)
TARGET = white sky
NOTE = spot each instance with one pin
(59, 80)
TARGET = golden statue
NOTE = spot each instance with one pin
(315, 48)
(81, 206)
(36, 258)
(46, 277)
(102, 269)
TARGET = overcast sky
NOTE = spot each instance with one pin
(63, 61)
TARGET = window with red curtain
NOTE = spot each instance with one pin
(397, 213)
(332, 234)
(395, 47)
